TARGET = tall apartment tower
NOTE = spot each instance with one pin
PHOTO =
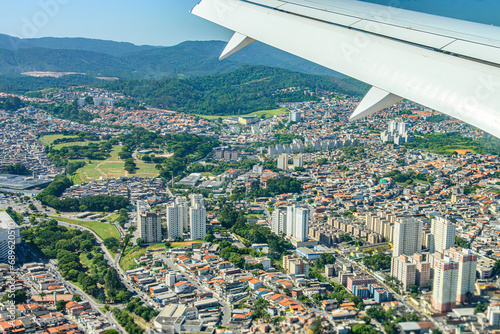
(198, 221)
(197, 199)
(404, 270)
(182, 204)
(298, 161)
(283, 162)
(407, 238)
(297, 223)
(290, 221)
(175, 225)
(279, 220)
(301, 224)
(467, 263)
(148, 224)
(444, 289)
(442, 235)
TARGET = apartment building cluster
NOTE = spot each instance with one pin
(291, 221)
(297, 146)
(397, 133)
(179, 216)
(361, 283)
(283, 162)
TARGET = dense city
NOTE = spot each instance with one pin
(132, 219)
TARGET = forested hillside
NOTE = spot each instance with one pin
(246, 90)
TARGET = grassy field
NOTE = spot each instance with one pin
(103, 230)
(265, 113)
(127, 259)
(185, 243)
(76, 143)
(112, 167)
(112, 218)
(254, 216)
(49, 139)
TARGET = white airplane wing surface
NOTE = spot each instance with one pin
(449, 65)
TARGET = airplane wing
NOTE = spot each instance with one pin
(449, 65)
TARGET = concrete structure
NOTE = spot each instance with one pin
(295, 116)
(279, 221)
(182, 205)
(298, 161)
(175, 225)
(404, 271)
(396, 132)
(493, 315)
(197, 199)
(148, 224)
(444, 289)
(301, 224)
(407, 236)
(297, 222)
(442, 234)
(467, 262)
(296, 266)
(198, 222)
(282, 162)
(411, 270)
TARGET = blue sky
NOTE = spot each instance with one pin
(168, 22)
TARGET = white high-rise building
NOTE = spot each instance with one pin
(282, 162)
(301, 224)
(198, 221)
(182, 204)
(297, 222)
(174, 223)
(295, 116)
(298, 161)
(279, 220)
(407, 238)
(197, 199)
(444, 288)
(148, 224)
(290, 221)
(493, 315)
(442, 235)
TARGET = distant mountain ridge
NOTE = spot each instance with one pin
(129, 61)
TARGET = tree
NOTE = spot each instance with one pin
(61, 305)
(18, 297)
(139, 241)
(481, 308)
(317, 326)
(363, 329)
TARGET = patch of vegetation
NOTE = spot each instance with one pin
(98, 279)
(50, 197)
(379, 261)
